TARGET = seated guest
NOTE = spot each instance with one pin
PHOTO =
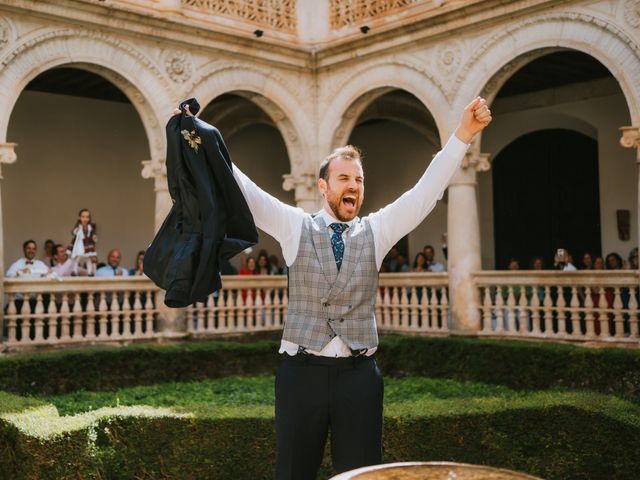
(432, 265)
(420, 263)
(403, 265)
(49, 252)
(537, 263)
(28, 266)
(137, 270)
(263, 268)
(112, 268)
(587, 261)
(63, 266)
(633, 259)
(563, 261)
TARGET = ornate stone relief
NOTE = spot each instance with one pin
(7, 33)
(630, 137)
(479, 161)
(449, 57)
(7, 154)
(632, 12)
(178, 65)
(156, 170)
(511, 30)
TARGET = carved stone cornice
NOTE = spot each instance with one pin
(158, 171)
(630, 137)
(7, 154)
(479, 161)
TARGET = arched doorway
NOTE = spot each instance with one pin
(80, 144)
(546, 196)
(399, 137)
(576, 107)
(257, 147)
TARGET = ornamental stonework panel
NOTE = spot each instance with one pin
(178, 65)
(273, 14)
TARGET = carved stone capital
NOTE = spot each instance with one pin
(7, 154)
(158, 171)
(630, 137)
(298, 181)
(479, 161)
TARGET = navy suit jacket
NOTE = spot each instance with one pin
(209, 221)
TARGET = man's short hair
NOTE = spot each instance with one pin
(428, 246)
(24, 245)
(348, 152)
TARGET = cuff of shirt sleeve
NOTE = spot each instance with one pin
(455, 146)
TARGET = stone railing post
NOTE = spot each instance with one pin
(172, 321)
(8, 156)
(631, 139)
(464, 244)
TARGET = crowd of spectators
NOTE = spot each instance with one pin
(57, 262)
(563, 260)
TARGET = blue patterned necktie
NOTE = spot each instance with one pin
(336, 242)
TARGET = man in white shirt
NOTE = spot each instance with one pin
(28, 266)
(113, 268)
(63, 266)
(328, 379)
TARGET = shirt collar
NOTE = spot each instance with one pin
(329, 219)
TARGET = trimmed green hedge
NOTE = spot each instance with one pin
(517, 364)
(541, 428)
(555, 435)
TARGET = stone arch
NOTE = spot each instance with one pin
(495, 61)
(129, 70)
(353, 96)
(546, 121)
(270, 92)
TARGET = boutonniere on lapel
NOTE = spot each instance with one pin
(193, 139)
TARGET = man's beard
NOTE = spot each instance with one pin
(335, 208)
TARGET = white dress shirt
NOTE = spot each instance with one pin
(37, 269)
(108, 271)
(389, 224)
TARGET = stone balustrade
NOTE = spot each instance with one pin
(243, 304)
(413, 302)
(78, 310)
(558, 306)
(580, 306)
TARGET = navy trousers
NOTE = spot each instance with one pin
(316, 396)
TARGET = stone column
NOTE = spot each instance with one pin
(157, 169)
(631, 139)
(171, 320)
(7, 155)
(464, 244)
(306, 191)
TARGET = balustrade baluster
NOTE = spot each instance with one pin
(12, 320)
(25, 313)
(210, 311)
(404, 309)
(618, 319)
(574, 311)
(65, 314)
(589, 316)
(487, 307)
(444, 309)
(547, 311)
(137, 315)
(102, 316)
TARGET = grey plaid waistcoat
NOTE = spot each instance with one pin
(323, 302)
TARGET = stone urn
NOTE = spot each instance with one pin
(432, 471)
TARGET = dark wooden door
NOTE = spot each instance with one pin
(546, 196)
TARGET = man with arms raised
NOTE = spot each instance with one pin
(328, 376)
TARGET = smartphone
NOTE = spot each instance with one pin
(560, 253)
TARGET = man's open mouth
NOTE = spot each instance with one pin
(350, 201)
